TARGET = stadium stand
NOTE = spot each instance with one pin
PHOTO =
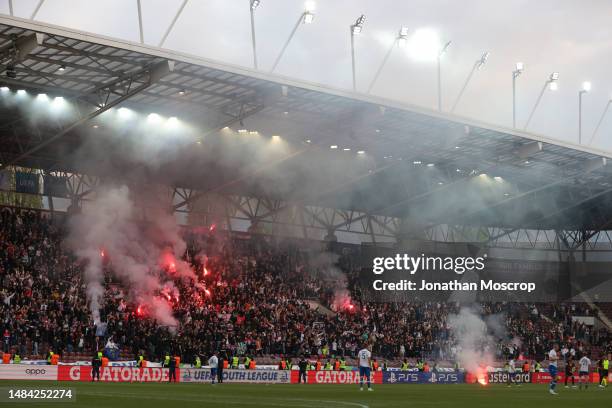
(261, 304)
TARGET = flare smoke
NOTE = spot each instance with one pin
(475, 344)
(141, 256)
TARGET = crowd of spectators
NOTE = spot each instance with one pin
(260, 302)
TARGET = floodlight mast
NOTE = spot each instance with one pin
(551, 83)
(477, 66)
(439, 61)
(603, 115)
(306, 17)
(253, 4)
(515, 74)
(355, 29)
(401, 39)
(586, 87)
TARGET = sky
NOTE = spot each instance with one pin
(569, 36)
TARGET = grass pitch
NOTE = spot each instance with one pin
(152, 395)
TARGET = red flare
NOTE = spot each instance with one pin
(212, 227)
(205, 271)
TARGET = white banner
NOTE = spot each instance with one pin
(238, 376)
(27, 372)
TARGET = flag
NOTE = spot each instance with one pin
(26, 182)
(55, 186)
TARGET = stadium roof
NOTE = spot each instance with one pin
(550, 184)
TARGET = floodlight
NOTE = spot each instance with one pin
(58, 103)
(483, 60)
(358, 26)
(21, 92)
(553, 86)
(402, 37)
(153, 117)
(520, 67)
(310, 6)
(254, 4)
(308, 17)
(333, 146)
(360, 152)
(172, 121)
(586, 86)
(424, 45)
(554, 76)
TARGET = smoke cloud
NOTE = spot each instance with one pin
(145, 256)
(475, 338)
(324, 264)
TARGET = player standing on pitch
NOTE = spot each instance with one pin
(585, 365)
(552, 368)
(569, 372)
(303, 365)
(96, 363)
(213, 363)
(365, 357)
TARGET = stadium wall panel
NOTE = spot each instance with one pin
(28, 372)
(116, 374)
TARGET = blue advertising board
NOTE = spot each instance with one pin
(417, 377)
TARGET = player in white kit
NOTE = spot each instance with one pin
(553, 357)
(365, 357)
(583, 374)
